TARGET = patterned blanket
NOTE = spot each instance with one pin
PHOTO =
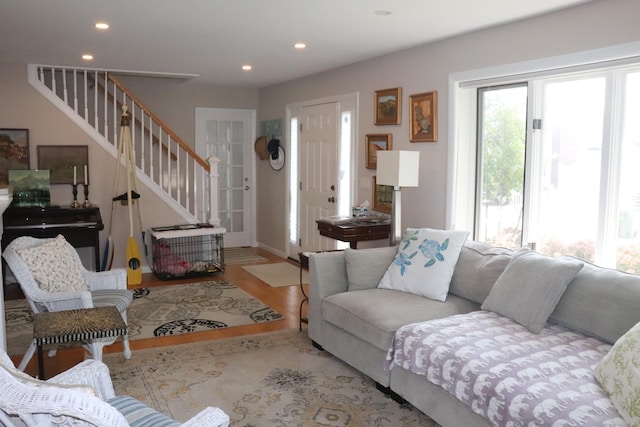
(507, 374)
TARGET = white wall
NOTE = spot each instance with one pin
(422, 69)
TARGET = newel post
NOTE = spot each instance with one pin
(214, 194)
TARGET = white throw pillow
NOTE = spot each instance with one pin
(425, 262)
(619, 374)
(54, 266)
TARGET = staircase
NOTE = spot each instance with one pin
(93, 99)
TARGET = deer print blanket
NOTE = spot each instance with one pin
(507, 374)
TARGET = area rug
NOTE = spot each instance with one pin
(275, 379)
(236, 256)
(278, 274)
(162, 311)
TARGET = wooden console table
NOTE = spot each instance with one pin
(354, 231)
(85, 324)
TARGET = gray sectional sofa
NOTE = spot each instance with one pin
(356, 321)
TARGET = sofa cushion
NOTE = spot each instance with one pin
(477, 270)
(365, 267)
(530, 287)
(600, 302)
(374, 315)
(425, 262)
(619, 374)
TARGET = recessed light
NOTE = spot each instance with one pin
(299, 45)
(87, 57)
(102, 26)
(382, 12)
(247, 67)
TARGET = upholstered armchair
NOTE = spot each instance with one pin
(52, 278)
(81, 396)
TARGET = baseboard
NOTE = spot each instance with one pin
(272, 250)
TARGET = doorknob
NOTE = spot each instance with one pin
(333, 188)
(246, 187)
(332, 199)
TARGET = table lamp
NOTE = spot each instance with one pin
(397, 169)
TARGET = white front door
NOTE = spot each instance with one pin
(228, 134)
(321, 181)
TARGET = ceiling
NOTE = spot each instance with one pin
(214, 38)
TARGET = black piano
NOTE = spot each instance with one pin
(80, 227)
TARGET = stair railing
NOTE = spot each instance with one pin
(165, 163)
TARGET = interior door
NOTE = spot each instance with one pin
(318, 165)
(229, 135)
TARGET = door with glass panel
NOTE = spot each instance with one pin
(228, 134)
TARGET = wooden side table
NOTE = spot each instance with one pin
(354, 231)
(304, 265)
(56, 327)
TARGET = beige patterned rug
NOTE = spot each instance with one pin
(163, 310)
(275, 379)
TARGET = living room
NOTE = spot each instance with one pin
(601, 27)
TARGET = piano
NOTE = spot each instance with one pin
(80, 227)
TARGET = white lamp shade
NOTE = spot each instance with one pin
(398, 168)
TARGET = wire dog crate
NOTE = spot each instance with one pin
(190, 250)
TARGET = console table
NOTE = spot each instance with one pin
(85, 324)
(354, 231)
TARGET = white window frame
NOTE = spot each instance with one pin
(463, 124)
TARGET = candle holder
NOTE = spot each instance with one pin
(75, 204)
(87, 203)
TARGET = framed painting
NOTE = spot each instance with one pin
(382, 197)
(424, 117)
(388, 106)
(376, 143)
(14, 152)
(66, 163)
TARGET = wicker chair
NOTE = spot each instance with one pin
(81, 396)
(106, 288)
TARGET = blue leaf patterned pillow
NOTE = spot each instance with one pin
(425, 262)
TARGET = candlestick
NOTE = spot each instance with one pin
(87, 203)
(85, 176)
(75, 204)
(75, 181)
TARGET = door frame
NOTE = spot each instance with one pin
(346, 102)
(249, 163)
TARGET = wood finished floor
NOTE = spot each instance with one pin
(286, 300)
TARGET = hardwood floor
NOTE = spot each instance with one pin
(286, 300)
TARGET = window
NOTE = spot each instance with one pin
(555, 164)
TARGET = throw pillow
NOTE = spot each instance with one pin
(54, 266)
(619, 374)
(365, 267)
(424, 263)
(530, 287)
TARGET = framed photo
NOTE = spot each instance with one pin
(61, 160)
(382, 197)
(376, 143)
(424, 117)
(388, 106)
(14, 152)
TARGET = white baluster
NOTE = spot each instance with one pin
(86, 106)
(214, 207)
(53, 81)
(106, 113)
(64, 86)
(75, 91)
(95, 100)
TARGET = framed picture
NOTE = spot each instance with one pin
(388, 106)
(424, 117)
(61, 161)
(14, 152)
(376, 143)
(382, 197)
(30, 187)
